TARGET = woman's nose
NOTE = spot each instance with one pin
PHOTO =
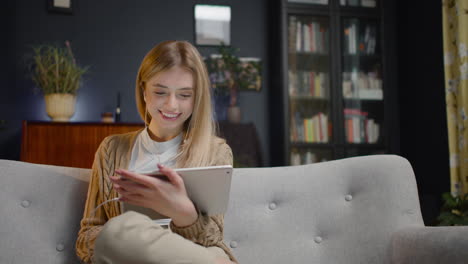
(171, 102)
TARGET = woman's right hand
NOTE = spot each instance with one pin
(167, 197)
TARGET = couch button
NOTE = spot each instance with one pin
(60, 247)
(272, 206)
(348, 197)
(233, 244)
(318, 239)
(25, 203)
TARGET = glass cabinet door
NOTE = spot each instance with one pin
(309, 88)
(361, 82)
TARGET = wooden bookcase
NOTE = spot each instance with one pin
(333, 80)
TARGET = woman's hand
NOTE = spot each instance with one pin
(167, 197)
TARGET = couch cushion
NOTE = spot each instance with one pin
(40, 213)
(342, 211)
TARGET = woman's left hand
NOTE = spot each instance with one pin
(167, 197)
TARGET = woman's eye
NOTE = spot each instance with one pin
(186, 95)
(160, 93)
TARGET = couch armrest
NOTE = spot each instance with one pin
(448, 244)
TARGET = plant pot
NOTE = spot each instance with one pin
(221, 103)
(234, 114)
(60, 107)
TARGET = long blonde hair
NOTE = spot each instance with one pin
(199, 130)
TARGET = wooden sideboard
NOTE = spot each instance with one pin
(74, 144)
(66, 143)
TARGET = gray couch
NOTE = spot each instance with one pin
(356, 210)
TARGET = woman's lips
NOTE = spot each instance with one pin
(169, 116)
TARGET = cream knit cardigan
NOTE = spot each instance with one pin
(114, 153)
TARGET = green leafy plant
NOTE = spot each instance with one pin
(54, 69)
(229, 73)
(454, 210)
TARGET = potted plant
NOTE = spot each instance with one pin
(228, 75)
(454, 210)
(54, 70)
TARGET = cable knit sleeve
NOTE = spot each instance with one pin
(208, 230)
(98, 191)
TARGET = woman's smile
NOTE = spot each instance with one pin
(169, 116)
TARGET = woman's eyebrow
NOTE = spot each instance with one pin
(163, 86)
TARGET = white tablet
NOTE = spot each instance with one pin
(207, 187)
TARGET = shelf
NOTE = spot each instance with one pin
(309, 98)
(364, 145)
(362, 56)
(352, 101)
(310, 145)
(310, 54)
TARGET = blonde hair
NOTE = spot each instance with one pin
(200, 129)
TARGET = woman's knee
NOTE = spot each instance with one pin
(119, 235)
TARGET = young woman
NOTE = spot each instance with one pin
(173, 98)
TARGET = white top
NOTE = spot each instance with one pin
(147, 153)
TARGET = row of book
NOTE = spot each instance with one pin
(308, 83)
(360, 40)
(362, 85)
(307, 36)
(363, 3)
(305, 157)
(315, 129)
(359, 128)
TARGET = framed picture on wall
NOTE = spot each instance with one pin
(212, 25)
(60, 6)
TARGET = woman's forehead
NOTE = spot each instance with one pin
(174, 78)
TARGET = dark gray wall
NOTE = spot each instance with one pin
(423, 117)
(112, 36)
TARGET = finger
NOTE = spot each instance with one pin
(128, 195)
(130, 184)
(173, 176)
(138, 178)
(136, 200)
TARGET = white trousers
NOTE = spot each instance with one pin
(134, 238)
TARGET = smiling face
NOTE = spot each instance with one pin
(169, 97)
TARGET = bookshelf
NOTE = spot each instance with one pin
(333, 93)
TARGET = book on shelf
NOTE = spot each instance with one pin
(368, 39)
(359, 128)
(308, 83)
(307, 36)
(353, 2)
(295, 158)
(350, 36)
(361, 85)
(305, 157)
(357, 40)
(368, 3)
(292, 34)
(310, 130)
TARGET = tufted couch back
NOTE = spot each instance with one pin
(342, 211)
